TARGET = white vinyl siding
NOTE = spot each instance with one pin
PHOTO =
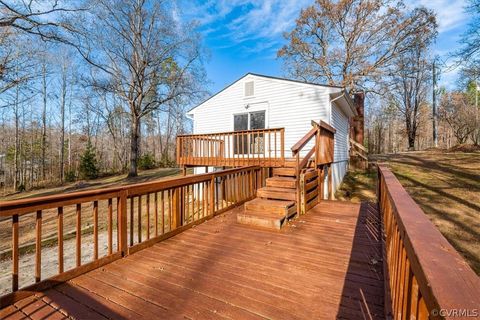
(287, 105)
(340, 123)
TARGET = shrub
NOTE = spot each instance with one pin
(147, 161)
(165, 162)
(70, 176)
(21, 187)
(88, 163)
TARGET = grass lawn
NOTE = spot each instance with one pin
(445, 185)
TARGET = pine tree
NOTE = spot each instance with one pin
(88, 163)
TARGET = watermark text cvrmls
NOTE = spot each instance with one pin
(453, 313)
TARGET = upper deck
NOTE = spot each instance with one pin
(263, 147)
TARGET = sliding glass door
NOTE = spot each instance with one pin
(248, 143)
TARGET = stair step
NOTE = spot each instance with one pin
(290, 163)
(285, 171)
(277, 193)
(261, 219)
(282, 182)
(285, 208)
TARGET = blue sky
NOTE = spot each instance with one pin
(244, 35)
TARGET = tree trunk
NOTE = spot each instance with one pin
(411, 141)
(44, 119)
(134, 146)
(62, 122)
(17, 145)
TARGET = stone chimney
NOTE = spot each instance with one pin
(358, 123)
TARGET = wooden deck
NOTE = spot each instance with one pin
(327, 264)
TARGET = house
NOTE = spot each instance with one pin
(256, 102)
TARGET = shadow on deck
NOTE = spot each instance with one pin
(326, 264)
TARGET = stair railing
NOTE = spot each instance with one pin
(322, 153)
(301, 164)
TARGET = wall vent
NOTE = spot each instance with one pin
(249, 89)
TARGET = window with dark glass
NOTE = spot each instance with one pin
(249, 143)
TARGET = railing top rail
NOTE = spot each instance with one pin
(445, 277)
(304, 140)
(323, 125)
(229, 132)
(358, 145)
(27, 205)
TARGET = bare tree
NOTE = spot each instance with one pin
(44, 18)
(456, 110)
(354, 42)
(142, 55)
(409, 85)
(470, 51)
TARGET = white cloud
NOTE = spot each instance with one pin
(261, 20)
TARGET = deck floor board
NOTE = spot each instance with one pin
(324, 265)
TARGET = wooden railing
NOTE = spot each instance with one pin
(264, 147)
(425, 276)
(321, 154)
(136, 216)
(358, 155)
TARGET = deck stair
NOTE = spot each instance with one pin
(293, 188)
(275, 203)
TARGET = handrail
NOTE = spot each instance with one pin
(322, 124)
(140, 215)
(426, 275)
(28, 205)
(303, 141)
(229, 132)
(358, 145)
(303, 163)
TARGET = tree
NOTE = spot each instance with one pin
(144, 56)
(43, 18)
(88, 163)
(409, 85)
(470, 52)
(457, 111)
(352, 43)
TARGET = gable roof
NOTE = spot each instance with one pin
(267, 77)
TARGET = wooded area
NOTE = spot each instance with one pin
(97, 87)
(92, 87)
(384, 48)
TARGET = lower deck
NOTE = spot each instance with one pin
(327, 264)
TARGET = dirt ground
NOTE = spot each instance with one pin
(445, 185)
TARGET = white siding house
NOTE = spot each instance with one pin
(283, 103)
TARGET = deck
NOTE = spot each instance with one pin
(326, 264)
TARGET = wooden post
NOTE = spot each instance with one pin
(212, 196)
(331, 196)
(60, 239)
(303, 204)
(297, 182)
(122, 223)
(95, 230)
(15, 253)
(177, 207)
(38, 247)
(321, 180)
(282, 146)
(78, 237)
